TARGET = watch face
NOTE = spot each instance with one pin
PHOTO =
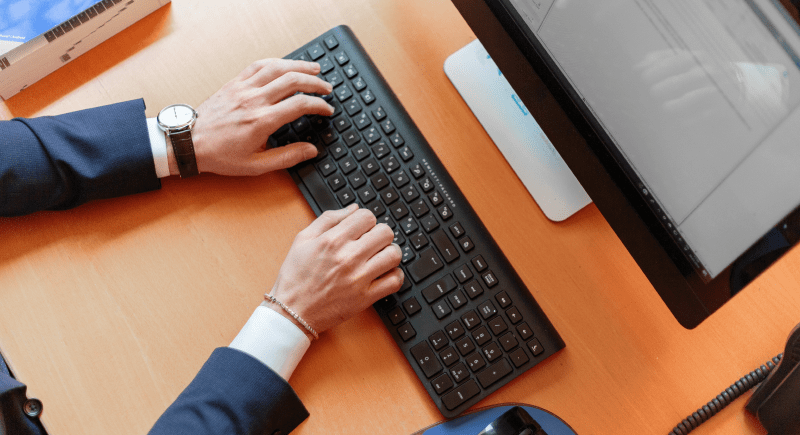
(176, 116)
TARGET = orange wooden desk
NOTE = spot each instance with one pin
(109, 310)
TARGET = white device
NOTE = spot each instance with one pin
(515, 133)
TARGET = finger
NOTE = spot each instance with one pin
(282, 157)
(271, 69)
(387, 259)
(294, 107)
(373, 241)
(385, 285)
(354, 226)
(293, 82)
(328, 220)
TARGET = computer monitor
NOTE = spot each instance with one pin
(681, 120)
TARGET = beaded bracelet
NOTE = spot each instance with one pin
(271, 298)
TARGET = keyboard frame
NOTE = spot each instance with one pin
(463, 213)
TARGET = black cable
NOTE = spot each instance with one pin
(722, 400)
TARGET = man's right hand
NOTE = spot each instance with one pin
(337, 267)
(230, 135)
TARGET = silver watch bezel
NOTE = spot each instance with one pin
(177, 128)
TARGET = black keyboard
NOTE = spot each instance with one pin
(463, 318)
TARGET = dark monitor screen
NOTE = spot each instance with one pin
(681, 119)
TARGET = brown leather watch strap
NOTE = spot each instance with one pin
(183, 147)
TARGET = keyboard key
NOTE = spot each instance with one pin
(475, 361)
(508, 342)
(426, 359)
(368, 97)
(494, 373)
(315, 184)
(406, 154)
(454, 330)
(448, 356)
(429, 223)
(439, 288)
(471, 319)
(503, 299)
(397, 140)
(326, 167)
(366, 195)
(427, 186)
(352, 107)
(350, 71)
(460, 395)
(457, 299)
(409, 225)
(479, 263)
(389, 196)
(399, 240)
(361, 152)
(331, 42)
(390, 164)
(346, 197)
(400, 179)
(379, 181)
(442, 383)
(487, 309)
(438, 339)
(351, 137)
(457, 230)
(535, 347)
(492, 351)
(348, 164)
(408, 255)
(334, 79)
(388, 127)
(343, 93)
(336, 181)
(410, 194)
(514, 316)
(407, 332)
(301, 124)
(466, 244)
(396, 316)
(359, 84)
(463, 274)
(328, 136)
(357, 179)
(362, 121)
(425, 266)
(436, 198)
(419, 208)
(465, 346)
(481, 335)
(489, 279)
(445, 212)
(377, 209)
(341, 123)
(370, 166)
(379, 113)
(412, 306)
(419, 241)
(316, 51)
(524, 331)
(371, 135)
(445, 246)
(417, 171)
(519, 357)
(497, 325)
(341, 57)
(459, 372)
(473, 289)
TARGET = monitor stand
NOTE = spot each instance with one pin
(514, 131)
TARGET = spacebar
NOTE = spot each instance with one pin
(317, 188)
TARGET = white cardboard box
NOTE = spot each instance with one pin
(39, 36)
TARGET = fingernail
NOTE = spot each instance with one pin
(332, 108)
(352, 207)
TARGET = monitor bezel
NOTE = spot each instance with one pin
(584, 146)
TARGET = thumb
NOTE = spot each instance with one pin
(283, 157)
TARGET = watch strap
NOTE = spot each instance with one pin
(183, 147)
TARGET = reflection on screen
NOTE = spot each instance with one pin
(700, 97)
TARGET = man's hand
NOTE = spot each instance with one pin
(230, 136)
(338, 266)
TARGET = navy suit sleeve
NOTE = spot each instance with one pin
(233, 394)
(59, 162)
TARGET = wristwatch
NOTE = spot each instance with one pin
(177, 121)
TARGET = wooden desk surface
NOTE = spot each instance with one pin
(109, 310)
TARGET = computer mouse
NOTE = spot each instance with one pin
(504, 419)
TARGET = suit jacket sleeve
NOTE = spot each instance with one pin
(59, 162)
(233, 393)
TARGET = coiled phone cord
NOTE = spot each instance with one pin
(722, 400)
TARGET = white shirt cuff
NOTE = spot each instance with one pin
(158, 144)
(274, 340)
